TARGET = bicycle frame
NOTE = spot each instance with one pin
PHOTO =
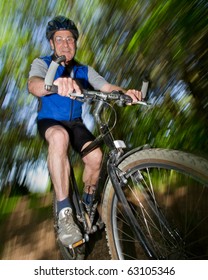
(117, 177)
(120, 171)
(110, 168)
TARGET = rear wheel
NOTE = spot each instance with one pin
(167, 192)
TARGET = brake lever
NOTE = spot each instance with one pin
(141, 103)
(75, 94)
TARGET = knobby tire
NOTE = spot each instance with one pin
(167, 191)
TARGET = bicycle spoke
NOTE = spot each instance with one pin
(167, 193)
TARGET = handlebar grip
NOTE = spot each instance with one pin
(50, 75)
(144, 88)
(126, 99)
(49, 78)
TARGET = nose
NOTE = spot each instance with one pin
(66, 43)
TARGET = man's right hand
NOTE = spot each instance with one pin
(67, 86)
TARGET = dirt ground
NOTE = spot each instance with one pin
(28, 234)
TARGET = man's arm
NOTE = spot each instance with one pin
(133, 93)
(110, 87)
(36, 86)
(98, 82)
(36, 78)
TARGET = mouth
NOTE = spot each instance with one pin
(67, 52)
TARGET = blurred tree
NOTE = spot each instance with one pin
(123, 40)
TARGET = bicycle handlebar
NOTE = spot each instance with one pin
(99, 95)
(92, 95)
(118, 96)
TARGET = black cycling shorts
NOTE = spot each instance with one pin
(78, 133)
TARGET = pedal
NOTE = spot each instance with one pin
(76, 244)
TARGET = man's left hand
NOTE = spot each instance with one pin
(136, 95)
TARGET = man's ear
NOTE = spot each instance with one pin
(52, 44)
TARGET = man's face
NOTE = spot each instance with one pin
(63, 43)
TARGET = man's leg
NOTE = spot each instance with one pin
(58, 162)
(58, 165)
(91, 172)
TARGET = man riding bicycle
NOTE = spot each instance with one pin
(60, 119)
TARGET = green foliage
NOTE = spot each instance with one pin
(176, 127)
(7, 204)
(123, 40)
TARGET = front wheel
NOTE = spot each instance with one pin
(167, 191)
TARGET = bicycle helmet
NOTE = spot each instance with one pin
(61, 23)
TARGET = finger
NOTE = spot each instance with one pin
(65, 87)
(70, 87)
(76, 87)
(131, 93)
(58, 83)
(138, 95)
(60, 86)
(135, 94)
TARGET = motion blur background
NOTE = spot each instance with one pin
(125, 41)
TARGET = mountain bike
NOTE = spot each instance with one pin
(151, 201)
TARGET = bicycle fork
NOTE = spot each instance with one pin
(119, 181)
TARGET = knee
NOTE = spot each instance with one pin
(98, 157)
(58, 139)
(94, 159)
